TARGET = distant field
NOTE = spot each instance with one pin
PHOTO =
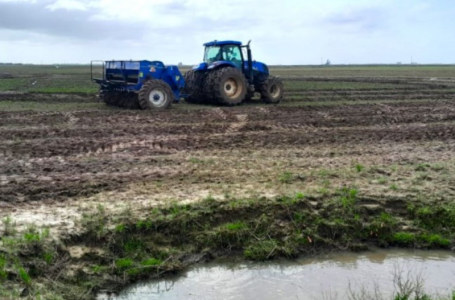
(76, 79)
(301, 82)
(367, 71)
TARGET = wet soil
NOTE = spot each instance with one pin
(191, 151)
(393, 146)
(53, 155)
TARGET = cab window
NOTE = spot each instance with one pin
(233, 54)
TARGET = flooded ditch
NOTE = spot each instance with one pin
(333, 276)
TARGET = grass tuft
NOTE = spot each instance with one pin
(123, 263)
(261, 250)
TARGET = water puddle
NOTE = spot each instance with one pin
(325, 277)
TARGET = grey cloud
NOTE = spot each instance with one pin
(359, 20)
(29, 17)
(36, 18)
(173, 7)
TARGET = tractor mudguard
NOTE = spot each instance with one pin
(200, 67)
(222, 63)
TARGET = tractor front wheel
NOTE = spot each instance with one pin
(155, 94)
(271, 90)
(228, 86)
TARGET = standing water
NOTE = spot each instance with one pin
(324, 277)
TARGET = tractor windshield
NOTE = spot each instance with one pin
(230, 53)
(212, 54)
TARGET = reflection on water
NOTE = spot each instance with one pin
(310, 278)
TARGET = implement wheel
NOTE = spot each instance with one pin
(108, 98)
(155, 94)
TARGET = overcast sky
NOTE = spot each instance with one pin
(282, 31)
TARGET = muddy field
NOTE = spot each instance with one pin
(68, 156)
(391, 138)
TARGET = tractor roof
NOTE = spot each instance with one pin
(222, 43)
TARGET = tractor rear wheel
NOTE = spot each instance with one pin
(229, 86)
(155, 94)
(194, 83)
(271, 90)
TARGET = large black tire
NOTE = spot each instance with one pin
(209, 82)
(155, 94)
(271, 90)
(228, 86)
(194, 87)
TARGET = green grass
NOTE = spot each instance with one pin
(48, 257)
(261, 250)
(435, 218)
(47, 80)
(404, 238)
(286, 177)
(123, 263)
(434, 240)
(3, 273)
(24, 276)
(9, 227)
(13, 84)
(43, 106)
(367, 71)
(236, 226)
(152, 262)
(348, 198)
(37, 70)
(133, 245)
(359, 168)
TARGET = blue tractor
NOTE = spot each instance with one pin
(228, 76)
(139, 84)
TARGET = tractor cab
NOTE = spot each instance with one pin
(227, 51)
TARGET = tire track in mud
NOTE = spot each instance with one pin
(170, 136)
(63, 155)
(58, 186)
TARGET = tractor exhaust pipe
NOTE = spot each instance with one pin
(250, 63)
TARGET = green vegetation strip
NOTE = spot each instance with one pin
(126, 249)
(10, 106)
